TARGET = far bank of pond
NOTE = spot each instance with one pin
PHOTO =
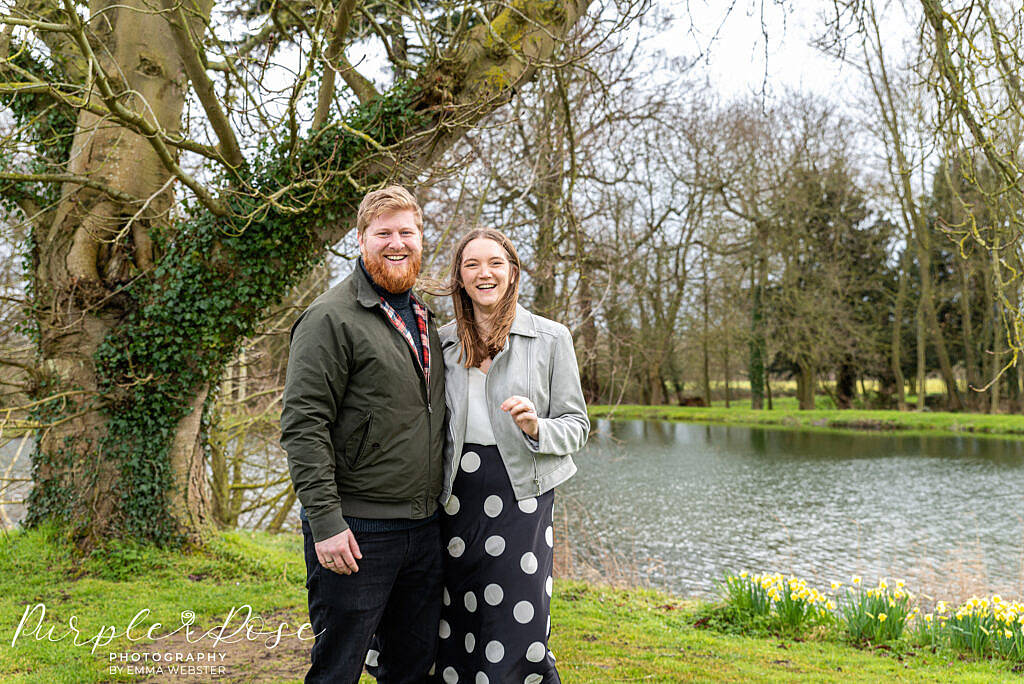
(677, 505)
(905, 422)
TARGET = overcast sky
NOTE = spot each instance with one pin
(733, 43)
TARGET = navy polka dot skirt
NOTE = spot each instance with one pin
(496, 613)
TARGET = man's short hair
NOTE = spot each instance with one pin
(391, 198)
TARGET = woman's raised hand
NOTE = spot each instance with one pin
(523, 412)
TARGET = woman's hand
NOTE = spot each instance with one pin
(523, 412)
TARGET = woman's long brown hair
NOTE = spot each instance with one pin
(475, 346)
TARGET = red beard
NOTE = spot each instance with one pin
(392, 279)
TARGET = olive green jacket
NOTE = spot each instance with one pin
(363, 432)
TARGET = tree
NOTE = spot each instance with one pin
(161, 232)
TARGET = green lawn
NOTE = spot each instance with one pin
(600, 634)
(786, 415)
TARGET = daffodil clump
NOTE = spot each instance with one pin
(883, 613)
(877, 614)
(788, 600)
(981, 625)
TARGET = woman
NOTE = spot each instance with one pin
(517, 415)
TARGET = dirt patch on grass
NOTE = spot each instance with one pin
(244, 660)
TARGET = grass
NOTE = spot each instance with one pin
(786, 415)
(600, 634)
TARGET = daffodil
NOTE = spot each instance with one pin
(882, 617)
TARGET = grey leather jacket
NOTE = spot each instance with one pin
(538, 362)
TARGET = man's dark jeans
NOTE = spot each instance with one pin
(396, 594)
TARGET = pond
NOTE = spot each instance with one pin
(679, 504)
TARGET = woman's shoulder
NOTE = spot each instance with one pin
(545, 326)
(448, 333)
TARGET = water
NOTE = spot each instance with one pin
(683, 503)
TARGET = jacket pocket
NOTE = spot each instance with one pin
(356, 443)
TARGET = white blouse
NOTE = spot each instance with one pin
(478, 423)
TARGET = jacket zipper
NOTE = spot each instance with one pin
(426, 386)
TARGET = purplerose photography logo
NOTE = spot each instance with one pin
(146, 647)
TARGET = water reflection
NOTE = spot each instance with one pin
(693, 501)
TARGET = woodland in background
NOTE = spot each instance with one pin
(700, 248)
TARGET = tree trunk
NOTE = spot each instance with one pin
(805, 386)
(896, 341)
(971, 364)
(725, 364)
(921, 350)
(654, 383)
(846, 386)
(932, 321)
(88, 254)
(756, 370)
(589, 371)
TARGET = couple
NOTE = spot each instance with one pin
(427, 489)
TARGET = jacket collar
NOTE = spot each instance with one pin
(523, 324)
(365, 294)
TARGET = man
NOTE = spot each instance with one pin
(363, 422)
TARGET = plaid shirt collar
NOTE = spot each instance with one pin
(421, 323)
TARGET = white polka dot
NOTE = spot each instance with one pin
(535, 653)
(528, 562)
(533, 679)
(446, 598)
(547, 586)
(456, 547)
(548, 632)
(494, 545)
(470, 642)
(470, 462)
(528, 505)
(452, 507)
(494, 651)
(523, 612)
(481, 678)
(444, 630)
(549, 536)
(493, 594)
(492, 506)
(470, 600)
(450, 675)
(371, 657)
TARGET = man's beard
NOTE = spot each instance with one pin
(393, 280)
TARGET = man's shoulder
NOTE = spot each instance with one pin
(339, 297)
(333, 306)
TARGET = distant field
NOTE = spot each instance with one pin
(786, 415)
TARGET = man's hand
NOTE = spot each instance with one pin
(523, 412)
(339, 553)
